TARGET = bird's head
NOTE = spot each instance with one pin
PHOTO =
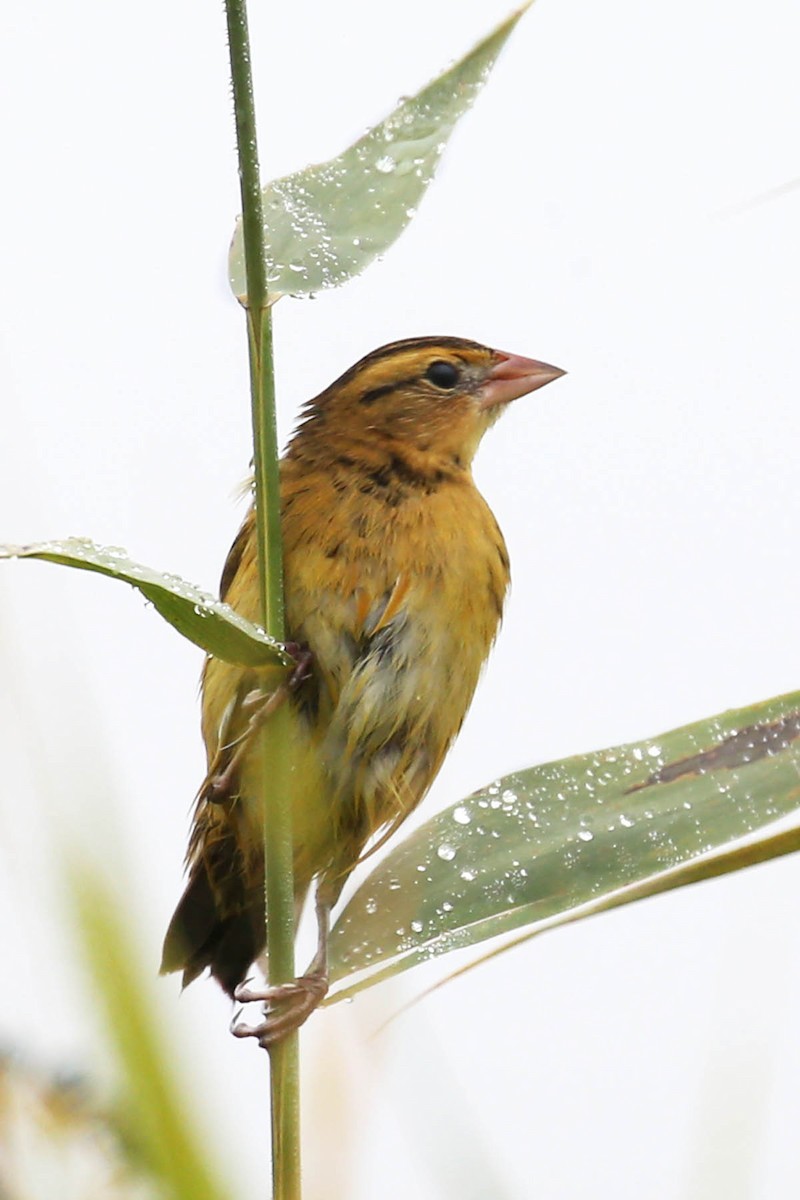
(431, 398)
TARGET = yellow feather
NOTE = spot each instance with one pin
(395, 575)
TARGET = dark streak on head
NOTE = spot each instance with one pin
(375, 393)
(419, 343)
(388, 351)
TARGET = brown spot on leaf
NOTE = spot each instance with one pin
(745, 746)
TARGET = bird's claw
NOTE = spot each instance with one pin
(297, 1001)
(303, 660)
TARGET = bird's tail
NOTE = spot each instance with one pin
(227, 935)
(205, 933)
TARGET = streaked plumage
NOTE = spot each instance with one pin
(395, 576)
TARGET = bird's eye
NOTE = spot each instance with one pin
(443, 374)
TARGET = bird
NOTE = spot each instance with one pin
(395, 576)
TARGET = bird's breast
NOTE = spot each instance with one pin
(400, 604)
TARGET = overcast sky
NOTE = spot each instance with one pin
(615, 204)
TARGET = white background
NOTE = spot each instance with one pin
(603, 207)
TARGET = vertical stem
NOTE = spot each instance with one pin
(274, 738)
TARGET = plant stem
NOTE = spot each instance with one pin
(274, 738)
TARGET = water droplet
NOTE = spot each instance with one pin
(626, 821)
(385, 164)
(461, 815)
(417, 926)
(468, 876)
(446, 853)
(371, 905)
(585, 835)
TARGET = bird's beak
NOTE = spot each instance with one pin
(514, 376)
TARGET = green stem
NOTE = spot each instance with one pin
(274, 738)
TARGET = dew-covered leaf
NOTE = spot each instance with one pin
(553, 843)
(213, 626)
(325, 224)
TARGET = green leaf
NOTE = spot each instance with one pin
(207, 622)
(154, 1109)
(325, 224)
(557, 842)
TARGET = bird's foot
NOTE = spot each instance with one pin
(262, 704)
(303, 660)
(296, 1001)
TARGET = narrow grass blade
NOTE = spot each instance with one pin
(325, 224)
(553, 843)
(207, 622)
(154, 1112)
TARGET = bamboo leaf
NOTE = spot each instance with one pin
(323, 225)
(557, 842)
(207, 622)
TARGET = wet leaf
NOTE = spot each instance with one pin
(553, 843)
(207, 622)
(325, 224)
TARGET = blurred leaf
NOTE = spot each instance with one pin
(55, 1140)
(325, 224)
(207, 622)
(156, 1114)
(554, 843)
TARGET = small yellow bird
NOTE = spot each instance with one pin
(395, 576)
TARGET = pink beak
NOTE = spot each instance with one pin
(514, 376)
